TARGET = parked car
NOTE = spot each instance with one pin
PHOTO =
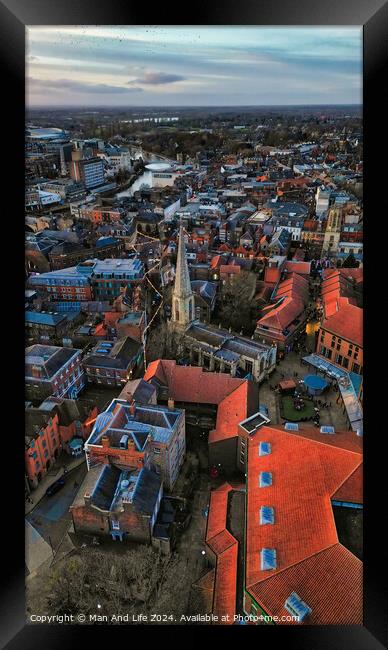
(55, 487)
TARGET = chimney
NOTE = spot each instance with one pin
(132, 408)
(170, 403)
(105, 441)
(129, 397)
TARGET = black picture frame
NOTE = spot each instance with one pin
(373, 16)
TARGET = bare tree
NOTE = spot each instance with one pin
(237, 302)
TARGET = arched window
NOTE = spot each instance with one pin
(176, 310)
(190, 310)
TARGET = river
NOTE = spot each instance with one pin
(144, 178)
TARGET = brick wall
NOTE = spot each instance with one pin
(90, 521)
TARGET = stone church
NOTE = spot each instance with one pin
(210, 347)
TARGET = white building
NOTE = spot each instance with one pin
(322, 199)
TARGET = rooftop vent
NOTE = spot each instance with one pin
(297, 607)
(268, 559)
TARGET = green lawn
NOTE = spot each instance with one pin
(289, 413)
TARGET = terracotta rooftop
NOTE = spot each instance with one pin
(280, 317)
(229, 268)
(225, 547)
(347, 322)
(231, 411)
(234, 397)
(329, 582)
(351, 489)
(303, 268)
(307, 468)
(272, 274)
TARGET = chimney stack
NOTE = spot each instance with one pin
(170, 403)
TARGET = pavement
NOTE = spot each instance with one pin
(55, 473)
(37, 550)
(333, 416)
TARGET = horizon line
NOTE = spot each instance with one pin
(180, 106)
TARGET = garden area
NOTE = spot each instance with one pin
(290, 413)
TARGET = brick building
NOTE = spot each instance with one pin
(91, 279)
(49, 429)
(122, 504)
(51, 370)
(285, 318)
(112, 363)
(139, 435)
(218, 399)
(294, 481)
(340, 337)
(42, 443)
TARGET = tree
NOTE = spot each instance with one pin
(141, 580)
(164, 343)
(237, 302)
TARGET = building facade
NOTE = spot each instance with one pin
(52, 370)
(213, 348)
(112, 363)
(139, 435)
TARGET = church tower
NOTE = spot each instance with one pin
(182, 296)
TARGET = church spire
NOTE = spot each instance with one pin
(182, 297)
(182, 287)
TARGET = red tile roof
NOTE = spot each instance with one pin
(232, 410)
(234, 397)
(216, 521)
(272, 275)
(283, 315)
(294, 286)
(226, 269)
(216, 261)
(307, 470)
(191, 383)
(329, 582)
(294, 291)
(294, 266)
(347, 323)
(339, 285)
(225, 547)
(351, 489)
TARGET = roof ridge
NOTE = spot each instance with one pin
(221, 532)
(289, 566)
(320, 442)
(347, 478)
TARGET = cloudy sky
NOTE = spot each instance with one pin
(193, 66)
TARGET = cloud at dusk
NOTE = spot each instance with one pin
(193, 66)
